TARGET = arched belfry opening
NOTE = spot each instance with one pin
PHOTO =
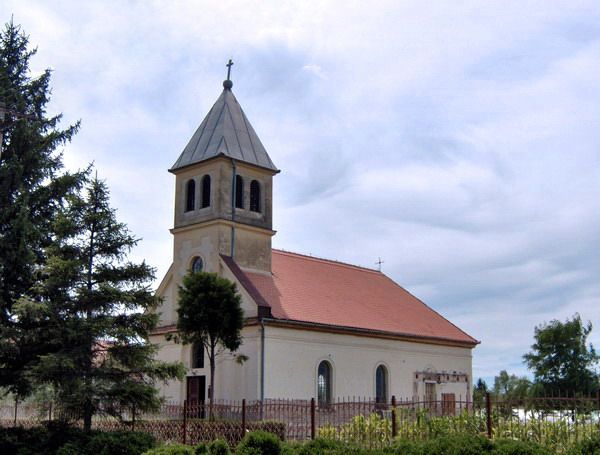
(239, 192)
(206, 191)
(190, 195)
(255, 196)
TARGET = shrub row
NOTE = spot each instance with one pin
(64, 440)
(261, 443)
(61, 439)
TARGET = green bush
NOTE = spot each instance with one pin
(322, 446)
(43, 440)
(219, 447)
(201, 449)
(171, 449)
(514, 447)
(457, 445)
(407, 447)
(70, 448)
(119, 443)
(266, 443)
(589, 446)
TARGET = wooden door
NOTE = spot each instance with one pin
(196, 395)
(448, 404)
(430, 397)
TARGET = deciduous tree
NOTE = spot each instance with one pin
(510, 387)
(210, 314)
(561, 359)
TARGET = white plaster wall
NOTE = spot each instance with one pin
(292, 357)
(232, 380)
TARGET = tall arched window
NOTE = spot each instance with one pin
(197, 355)
(324, 383)
(255, 196)
(206, 191)
(239, 192)
(190, 195)
(381, 382)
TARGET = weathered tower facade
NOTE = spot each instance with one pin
(223, 193)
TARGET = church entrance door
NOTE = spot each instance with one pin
(196, 395)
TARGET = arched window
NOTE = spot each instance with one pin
(197, 264)
(197, 355)
(255, 196)
(206, 191)
(190, 195)
(324, 383)
(239, 192)
(381, 383)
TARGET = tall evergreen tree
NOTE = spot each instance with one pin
(99, 307)
(32, 189)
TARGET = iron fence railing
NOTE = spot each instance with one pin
(361, 420)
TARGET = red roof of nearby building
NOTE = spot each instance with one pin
(319, 291)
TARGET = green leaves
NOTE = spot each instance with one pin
(209, 311)
(561, 359)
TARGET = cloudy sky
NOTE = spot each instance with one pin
(458, 141)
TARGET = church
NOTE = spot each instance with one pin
(313, 327)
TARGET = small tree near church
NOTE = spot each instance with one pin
(209, 314)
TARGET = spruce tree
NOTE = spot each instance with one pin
(99, 306)
(32, 188)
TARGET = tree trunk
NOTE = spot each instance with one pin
(87, 416)
(88, 410)
(211, 390)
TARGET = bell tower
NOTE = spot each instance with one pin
(223, 192)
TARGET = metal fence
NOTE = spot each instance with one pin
(554, 420)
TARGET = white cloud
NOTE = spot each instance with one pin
(457, 141)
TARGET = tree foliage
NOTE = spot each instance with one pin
(33, 188)
(479, 391)
(561, 360)
(510, 387)
(98, 307)
(210, 313)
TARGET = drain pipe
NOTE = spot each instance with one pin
(262, 367)
(233, 194)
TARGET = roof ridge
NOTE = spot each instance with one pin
(331, 261)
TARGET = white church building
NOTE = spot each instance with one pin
(314, 327)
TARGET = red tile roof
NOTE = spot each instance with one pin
(308, 289)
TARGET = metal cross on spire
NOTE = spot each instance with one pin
(229, 65)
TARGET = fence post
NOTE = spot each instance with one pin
(312, 418)
(185, 409)
(394, 424)
(598, 405)
(488, 412)
(243, 417)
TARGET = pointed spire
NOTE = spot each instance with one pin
(225, 131)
